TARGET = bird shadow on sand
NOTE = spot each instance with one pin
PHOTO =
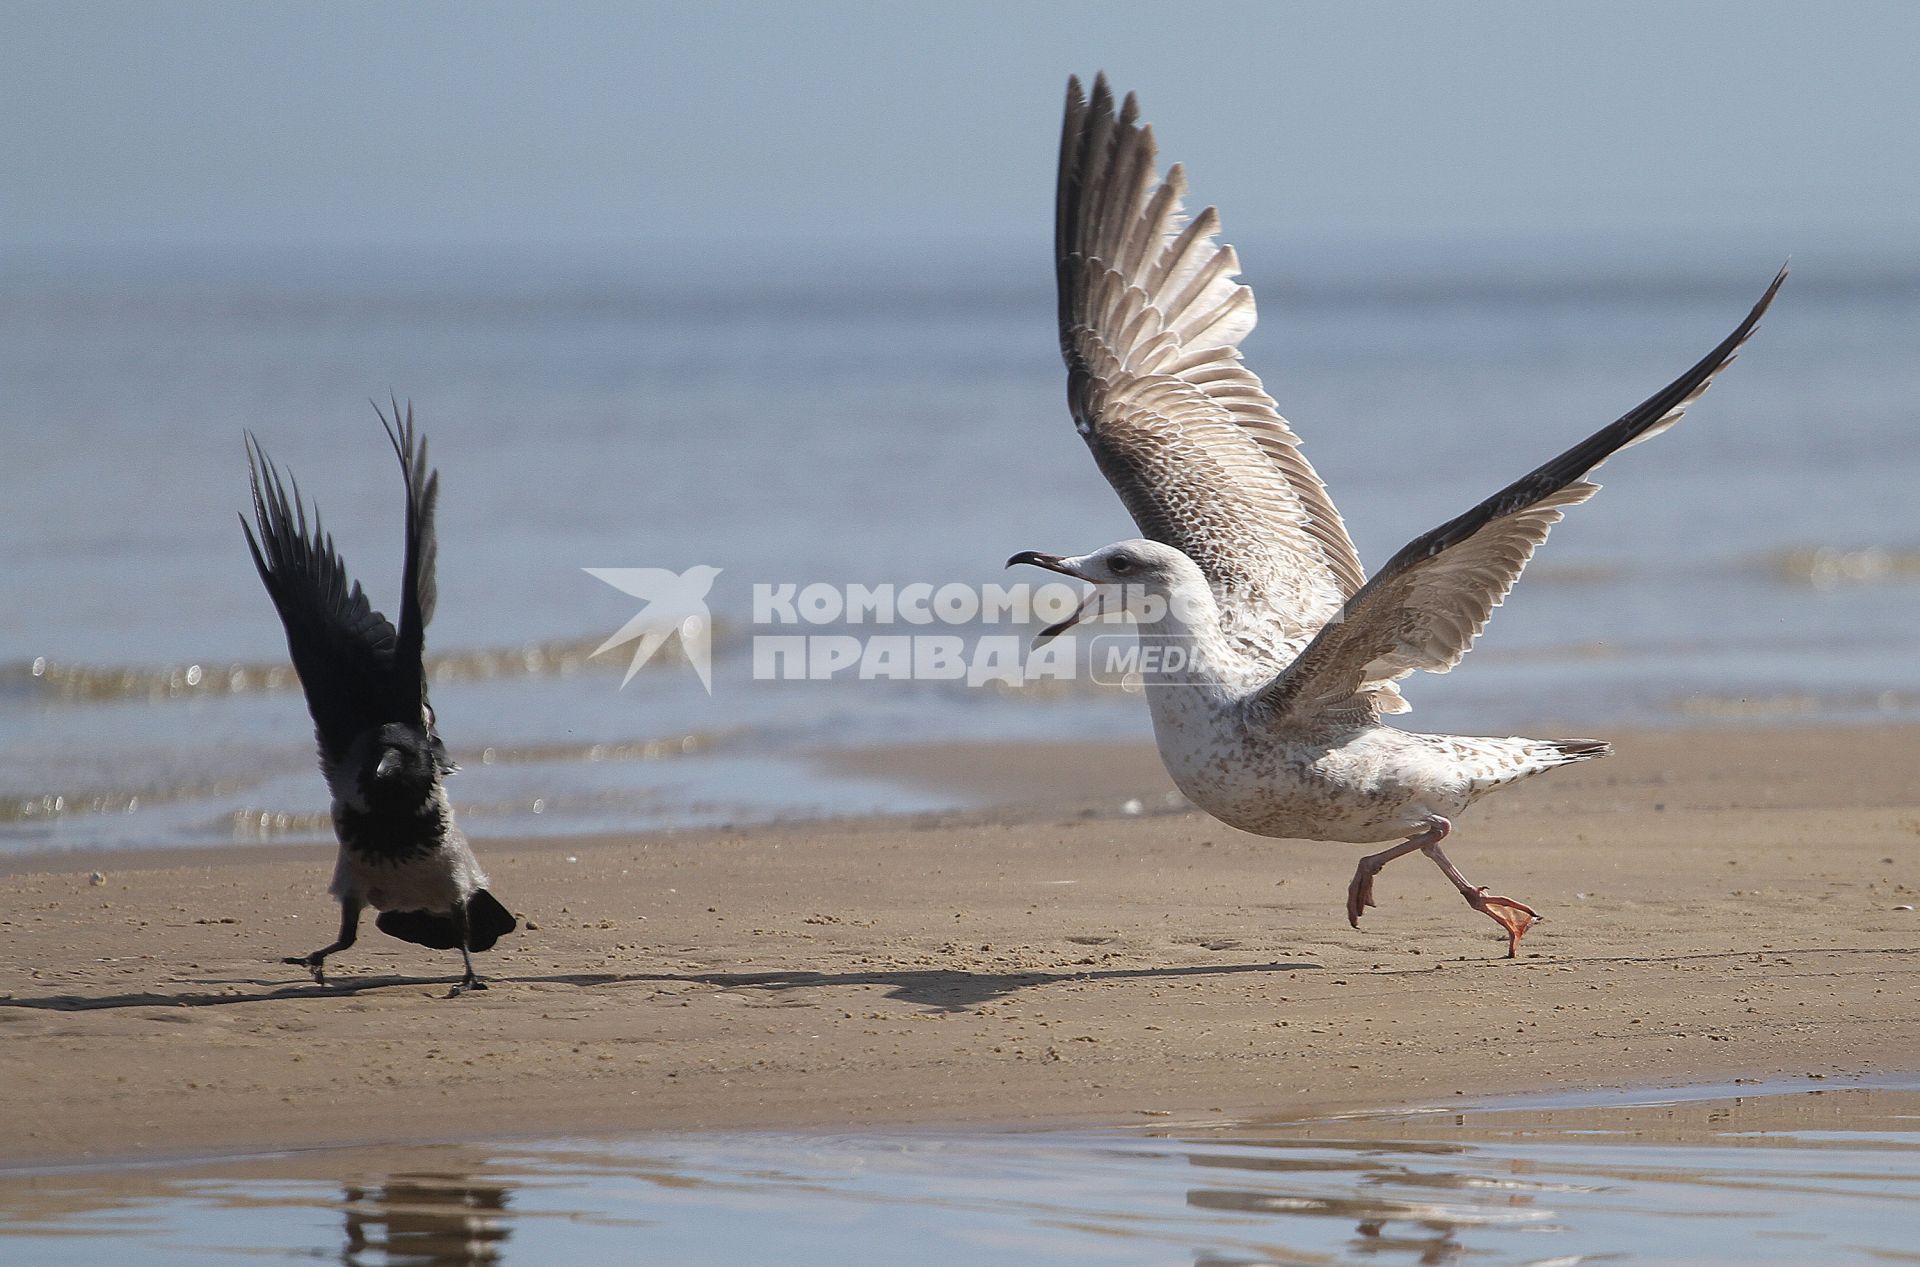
(946, 989)
(335, 988)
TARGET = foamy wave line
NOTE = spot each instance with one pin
(32, 807)
(270, 824)
(690, 744)
(251, 825)
(1824, 566)
(41, 806)
(96, 682)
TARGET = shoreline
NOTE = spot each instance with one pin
(1721, 905)
(1384, 1122)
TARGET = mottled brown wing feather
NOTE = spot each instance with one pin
(1151, 321)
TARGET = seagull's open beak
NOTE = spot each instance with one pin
(1090, 606)
(1051, 562)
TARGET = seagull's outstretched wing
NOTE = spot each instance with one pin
(418, 589)
(1426, 606)
(341, 647)
(1151, 321)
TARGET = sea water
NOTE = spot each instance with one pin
(843, 421)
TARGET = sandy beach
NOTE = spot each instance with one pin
(1721, 905)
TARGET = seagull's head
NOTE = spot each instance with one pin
(1149, 575)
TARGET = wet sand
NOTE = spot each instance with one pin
(1721, 905)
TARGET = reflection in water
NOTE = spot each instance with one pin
(1395, 1229)
(1801, 1178)
(424, 1221)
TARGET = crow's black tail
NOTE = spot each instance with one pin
(487, 923)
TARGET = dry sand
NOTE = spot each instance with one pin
(1721, 905)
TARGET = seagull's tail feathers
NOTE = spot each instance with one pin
(487, 923)
(1496, 763)
(1568, 751)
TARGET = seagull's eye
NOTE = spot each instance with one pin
(1121, 563)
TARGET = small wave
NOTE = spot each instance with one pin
(96, 683)
(34, 807)
(266, 824)
(690, 744)
(254, 825)
(1825, 566)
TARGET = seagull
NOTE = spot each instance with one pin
(1268, 656)
(366, 686)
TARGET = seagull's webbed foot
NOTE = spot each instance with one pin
(1515, 917)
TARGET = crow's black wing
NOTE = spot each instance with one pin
(342, 648)
(418, 591)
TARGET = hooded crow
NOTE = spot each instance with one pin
(366, 687)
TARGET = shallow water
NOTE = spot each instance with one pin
(861, 423)
(1790, 1177)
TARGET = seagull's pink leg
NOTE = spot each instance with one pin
(1360, 891)
(1515, 917)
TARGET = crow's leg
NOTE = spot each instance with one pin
(469, 981)
(350, 907)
